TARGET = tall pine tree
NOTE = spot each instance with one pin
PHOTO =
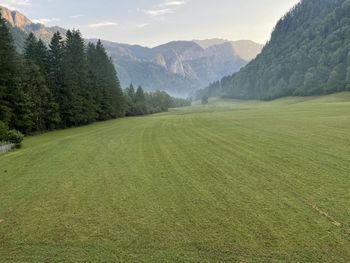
(55, 68)
(8, 72)
(14, 103)
(77, 99)
(43, 107)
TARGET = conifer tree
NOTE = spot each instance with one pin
(131, 92)
(109, 99)
(8, 72)
(43, 107)
(76, 100)
(118, 100)
(140, 101)
(55, 67)
(140, 95)
(14, 103)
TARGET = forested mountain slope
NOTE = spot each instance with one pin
(308, 54)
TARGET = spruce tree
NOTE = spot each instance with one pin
(14, 103)
(108, 96)
(140, 95)
(140, 101)
(95, 83)
(129, 96)
(118, 100)
(8, 72)
(44, 109)
(55, 68)
(36, 51)
(131, 92)
(42, 58)
(74, 104)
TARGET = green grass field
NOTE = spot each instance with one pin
(230, 182)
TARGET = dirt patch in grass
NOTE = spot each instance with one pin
(321, 212)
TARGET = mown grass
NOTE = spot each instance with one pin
(229, 182)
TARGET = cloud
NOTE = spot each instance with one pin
(142, 25)
(20, 2)
(164, 8)
(158, 12)
(13, 4)
(46, 20)
(76, 16)
(173, 3)
(103, 24)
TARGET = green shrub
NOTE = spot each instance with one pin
(15, 137)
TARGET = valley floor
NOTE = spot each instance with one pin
(233, 181)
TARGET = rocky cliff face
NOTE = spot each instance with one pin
(15, 18)
(180, 67)
(19, 21)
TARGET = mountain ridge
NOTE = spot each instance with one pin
(246, 49)
(191, 66)
(178, 67)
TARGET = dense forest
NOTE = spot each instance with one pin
(308, 54)
(64, 85)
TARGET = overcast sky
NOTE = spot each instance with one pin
(153, 22)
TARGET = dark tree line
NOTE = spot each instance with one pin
(139, 102)
(308, 54)
(64, 85)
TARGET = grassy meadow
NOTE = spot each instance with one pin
(229, 182)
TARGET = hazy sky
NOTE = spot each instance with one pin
(153, 22)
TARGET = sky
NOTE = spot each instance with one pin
(154, 22)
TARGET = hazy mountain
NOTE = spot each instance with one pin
(308, 54)
(179, 67)
(246, 49)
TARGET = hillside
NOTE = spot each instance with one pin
(235, 181)
(308, 54)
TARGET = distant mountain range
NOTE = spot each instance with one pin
(179, 67)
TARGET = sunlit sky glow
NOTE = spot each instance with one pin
(153, 22)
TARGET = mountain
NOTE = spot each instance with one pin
(246, 49)
(308, 54)
(21, 26)
(178, 67)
